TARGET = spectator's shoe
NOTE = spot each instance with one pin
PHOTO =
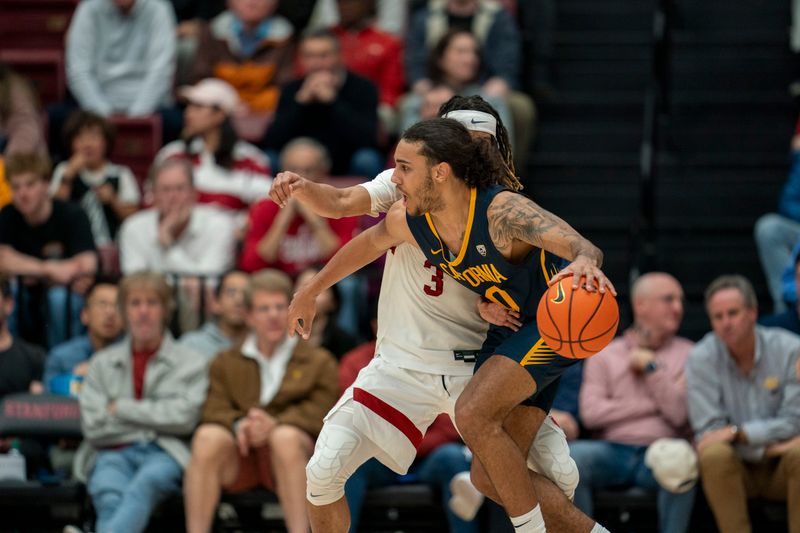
(466, 499)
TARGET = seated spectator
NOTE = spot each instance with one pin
(455, 63)
(21, 367)
(103, 324)
(5, 189)
(790, 318)
(294, 238)
(391, 16)
(432, 101)
(139, 404)
(176, 235)
(744, 406)
(493, 27)
(191, 15)
(250, 47)
(228, 173)
(193, 243)
(229, 325)
(634, 394)
(120, 59)
(333, 106)
(48, 243)
(440, 458)
(21, 364)
(326, 331)
(108, 193)
(21, 129)
(778, 237)
(371, 52)
(499, 39)
(265, 405)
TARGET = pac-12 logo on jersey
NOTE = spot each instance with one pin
(481, 249)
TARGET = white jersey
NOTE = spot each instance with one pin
(424, 315)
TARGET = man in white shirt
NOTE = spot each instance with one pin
(175, 235)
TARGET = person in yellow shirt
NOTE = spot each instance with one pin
(5, 190)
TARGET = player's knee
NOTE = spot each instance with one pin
(472, 422)
(481, 481)
(327, 471)
(566, 476)
(550, 456)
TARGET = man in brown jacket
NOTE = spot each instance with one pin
(266, 401)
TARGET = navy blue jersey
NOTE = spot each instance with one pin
(481, 267)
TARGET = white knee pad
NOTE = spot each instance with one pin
(549, 456)
(339, 452)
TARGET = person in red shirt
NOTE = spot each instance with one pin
(294, 238)
(371, 52)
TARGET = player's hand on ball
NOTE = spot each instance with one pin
(284, 186)
(498, 315)
(584, 267)
(301, 313)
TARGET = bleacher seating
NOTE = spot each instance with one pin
(138, 141)
(722, 163)
(44, 68)
(35, 24)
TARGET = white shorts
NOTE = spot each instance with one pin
(394, 407)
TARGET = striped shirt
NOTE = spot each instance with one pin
(246, 182)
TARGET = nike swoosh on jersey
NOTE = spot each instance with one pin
(559, 295)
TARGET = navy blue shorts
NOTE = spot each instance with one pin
(527, 348)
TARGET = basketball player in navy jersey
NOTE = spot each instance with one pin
(486, 238)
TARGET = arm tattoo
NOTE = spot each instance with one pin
(515, 217)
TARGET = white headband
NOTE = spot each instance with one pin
(475, 120)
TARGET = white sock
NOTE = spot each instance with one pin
(530, 522)
(598, 528)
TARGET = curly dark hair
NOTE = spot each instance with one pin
(82, 120)
(475, 161)
(476, 103)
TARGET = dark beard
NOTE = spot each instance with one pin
(429, 201)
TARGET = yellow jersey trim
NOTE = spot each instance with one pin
(539, 354)
(473, 194)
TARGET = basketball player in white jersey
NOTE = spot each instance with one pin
(424, 358)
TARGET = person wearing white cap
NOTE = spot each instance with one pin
(744, 406)
(422, 372)
(633, 394)
(229, 173)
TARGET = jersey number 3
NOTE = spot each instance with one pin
(437, 281)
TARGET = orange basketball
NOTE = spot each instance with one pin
(576, 323)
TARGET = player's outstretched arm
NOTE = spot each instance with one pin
(323, 199)
(513, 217)
(356, 254)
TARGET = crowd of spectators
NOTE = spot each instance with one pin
(246, 88)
